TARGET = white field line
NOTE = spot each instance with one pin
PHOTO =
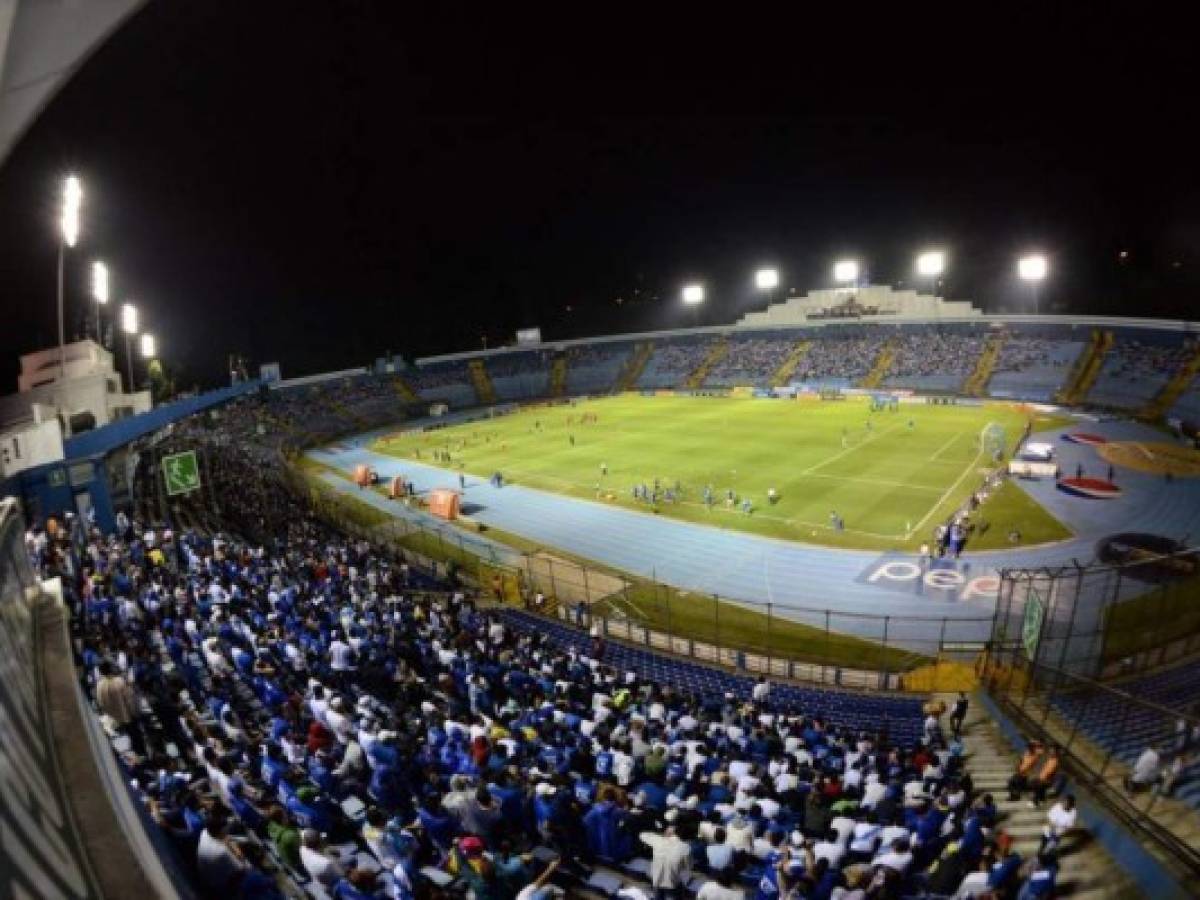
(848, 450)
(946, 446)
(967, 471)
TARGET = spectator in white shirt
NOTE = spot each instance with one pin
(761, 691)
(898, 857)
(317, 862)
(217, 865)
(1059, 820)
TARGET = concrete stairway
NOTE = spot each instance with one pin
(627, 379)
(977, 382)
(558, 375)
(788, 367)
(1085, 868)
(717, 352)
(405, 390)
(1171, 391)
(1086, 369)
(883, 365)
(485, 392)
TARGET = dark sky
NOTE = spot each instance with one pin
(317, 183)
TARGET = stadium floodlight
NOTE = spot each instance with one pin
(129, 319)
(72, 199)
(1032, 269)
(931, 264)
(693, 294)
(99, 294)
(148, 346)
(845, 271)
(100, 282)
(766, 279)
(129, 325)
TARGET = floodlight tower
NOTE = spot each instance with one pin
(1033, 269)
(693, 296)
(99, 294)
(930, 265)
(766, 280)
(149, 347)
(129, 325)
(72, 200)
(845, 272)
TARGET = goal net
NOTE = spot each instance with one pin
(992, 440)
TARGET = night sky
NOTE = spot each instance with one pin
(318, 183)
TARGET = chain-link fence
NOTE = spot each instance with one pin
(1057, 631)
(1104, 620)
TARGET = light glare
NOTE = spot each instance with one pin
(148, 347)
(100, 282)
(766, 279)
(931, 264)
(72, 199)
(845, 270)
(693, 294)
(1033, 268)
(129, 319)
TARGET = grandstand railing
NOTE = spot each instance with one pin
(1102, 729)
(824, 645)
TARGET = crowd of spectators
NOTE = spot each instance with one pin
(923, 353)
(1019, 353)
(525, 363)
(751, 360)
(1133, 360)
(839, 357)
(679, 358)
(298, 707)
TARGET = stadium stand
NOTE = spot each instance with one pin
(351, 722)
(672, 362)
(1129, 732)
(1032, 367)
(838, 359)
(934, 360)
(594, 368)
(750, 361)
(1136, 369)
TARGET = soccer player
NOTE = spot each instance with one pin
(603, 468)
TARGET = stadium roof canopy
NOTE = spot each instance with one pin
(42, 44)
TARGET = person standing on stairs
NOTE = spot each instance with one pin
(958, 714)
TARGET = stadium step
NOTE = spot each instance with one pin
(976, 384)
(1087, 368)
(405, 390)
(1085, 869)
(1166, 398)
(788, 367)
(716, 352)
(485, 392)
(883, 365)
(634, 367)
(558, 375)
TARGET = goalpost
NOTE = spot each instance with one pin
(992, 440)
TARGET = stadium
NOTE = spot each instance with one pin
(860, 592)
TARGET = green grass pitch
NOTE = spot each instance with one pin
(891, 483)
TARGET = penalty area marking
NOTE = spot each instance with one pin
(967, 471)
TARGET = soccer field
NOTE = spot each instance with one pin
(889, 481)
